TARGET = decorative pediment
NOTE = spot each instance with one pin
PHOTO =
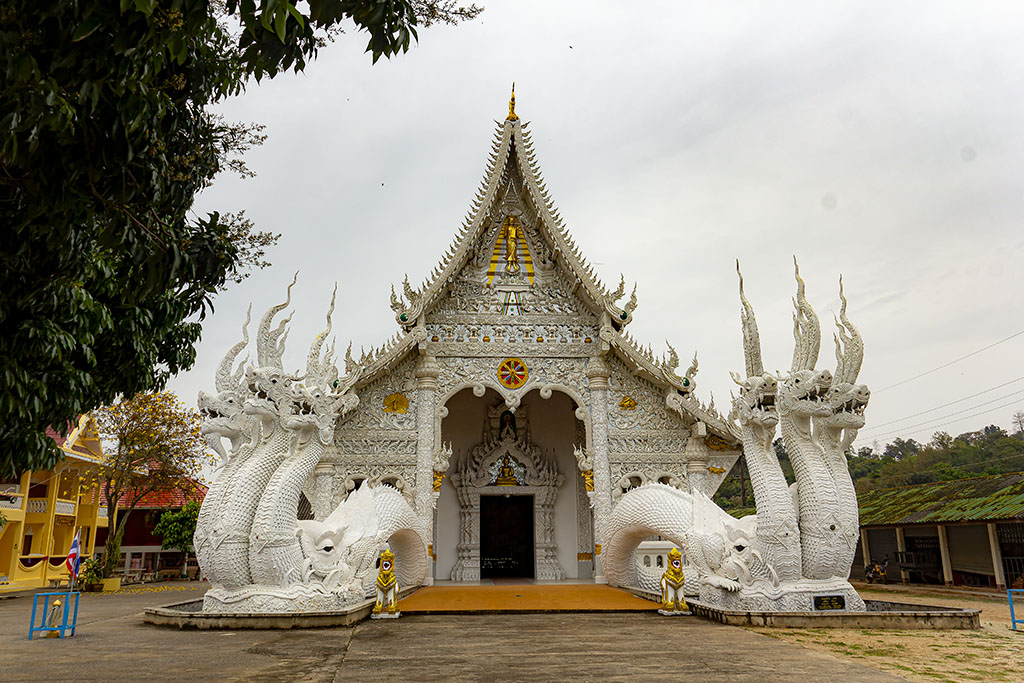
(507, 456)
(512, 230)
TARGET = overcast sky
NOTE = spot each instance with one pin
(878, 140)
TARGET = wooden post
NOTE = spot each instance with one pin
(947, 568)
(52, 487)
(865, 548)
(997, 556)
(901, 546)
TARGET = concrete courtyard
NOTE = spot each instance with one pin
(114, 645)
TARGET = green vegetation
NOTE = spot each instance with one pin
(903, 463)
(945, 458)
(155, 447)
(107, 135)
(177, 527)
(90, 571)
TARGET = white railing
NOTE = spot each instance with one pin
(37, 505)
(64, 507)
(10, 501)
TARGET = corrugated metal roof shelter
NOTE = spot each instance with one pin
(980, 499)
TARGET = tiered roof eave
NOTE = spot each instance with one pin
(512, 141)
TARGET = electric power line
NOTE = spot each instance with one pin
(944, 405)
(872, 437)
(946, 365)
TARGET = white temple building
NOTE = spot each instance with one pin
(513, 408)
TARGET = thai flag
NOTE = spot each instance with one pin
(74, 556)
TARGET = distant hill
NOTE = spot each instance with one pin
(902, 463)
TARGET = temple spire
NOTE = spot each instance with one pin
(512, 105)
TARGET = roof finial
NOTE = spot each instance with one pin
(512, 105)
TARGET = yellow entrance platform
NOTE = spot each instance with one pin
(523, 598)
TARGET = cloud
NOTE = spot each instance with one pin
(673, 141)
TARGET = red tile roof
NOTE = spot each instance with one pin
(163, 500)
(52, 433)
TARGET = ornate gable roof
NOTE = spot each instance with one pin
(512, 182)
(513, 186)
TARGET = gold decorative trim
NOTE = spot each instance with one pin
(717, 443)
(716, 470)
(588, 480)
(512, 116)
(597, 548)
(627, 403)
(438, 480)
(584, 557)
(396, 403)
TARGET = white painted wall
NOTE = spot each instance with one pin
(553, 426)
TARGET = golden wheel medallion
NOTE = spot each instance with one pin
(396, 403)
(512, 373)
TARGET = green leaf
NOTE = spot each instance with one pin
(86, 28)
(281, 22)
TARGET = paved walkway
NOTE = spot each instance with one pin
(523, 598)
(114, 645)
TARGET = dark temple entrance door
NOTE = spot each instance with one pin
(506, 536)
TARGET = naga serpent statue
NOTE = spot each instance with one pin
(802, 397)
(755, 409)
(249, 542)
(837, 431)
(802, 539)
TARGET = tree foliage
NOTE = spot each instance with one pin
(153, 445)
(971, 454)
(106, 136)
(177, 527)
(905, 462)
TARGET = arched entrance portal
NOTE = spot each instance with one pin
(512, 502)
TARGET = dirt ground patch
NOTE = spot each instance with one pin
(992, 653)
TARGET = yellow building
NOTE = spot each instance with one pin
(44, 509)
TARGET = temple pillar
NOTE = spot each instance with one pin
(426, 388)
(597, 374)
(947, 567)
(901, 547)
(997, 556)
(697, 459)
(322, 499)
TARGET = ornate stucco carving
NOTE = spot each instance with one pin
(781, 557)
(536, 474)
(250, 543)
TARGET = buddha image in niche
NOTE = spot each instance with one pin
(507, 425)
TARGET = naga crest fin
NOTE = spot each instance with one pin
(316, 366)
(751, 338)
(268, 349)
(225, 379)
(852, 344)
(806, 328)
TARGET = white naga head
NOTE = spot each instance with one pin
(329, 545)
(222, 412)
(847, 399)
(804, 390)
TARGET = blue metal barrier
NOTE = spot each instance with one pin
(1013, 619)
(67, 620)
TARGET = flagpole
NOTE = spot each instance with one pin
(78, 555)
